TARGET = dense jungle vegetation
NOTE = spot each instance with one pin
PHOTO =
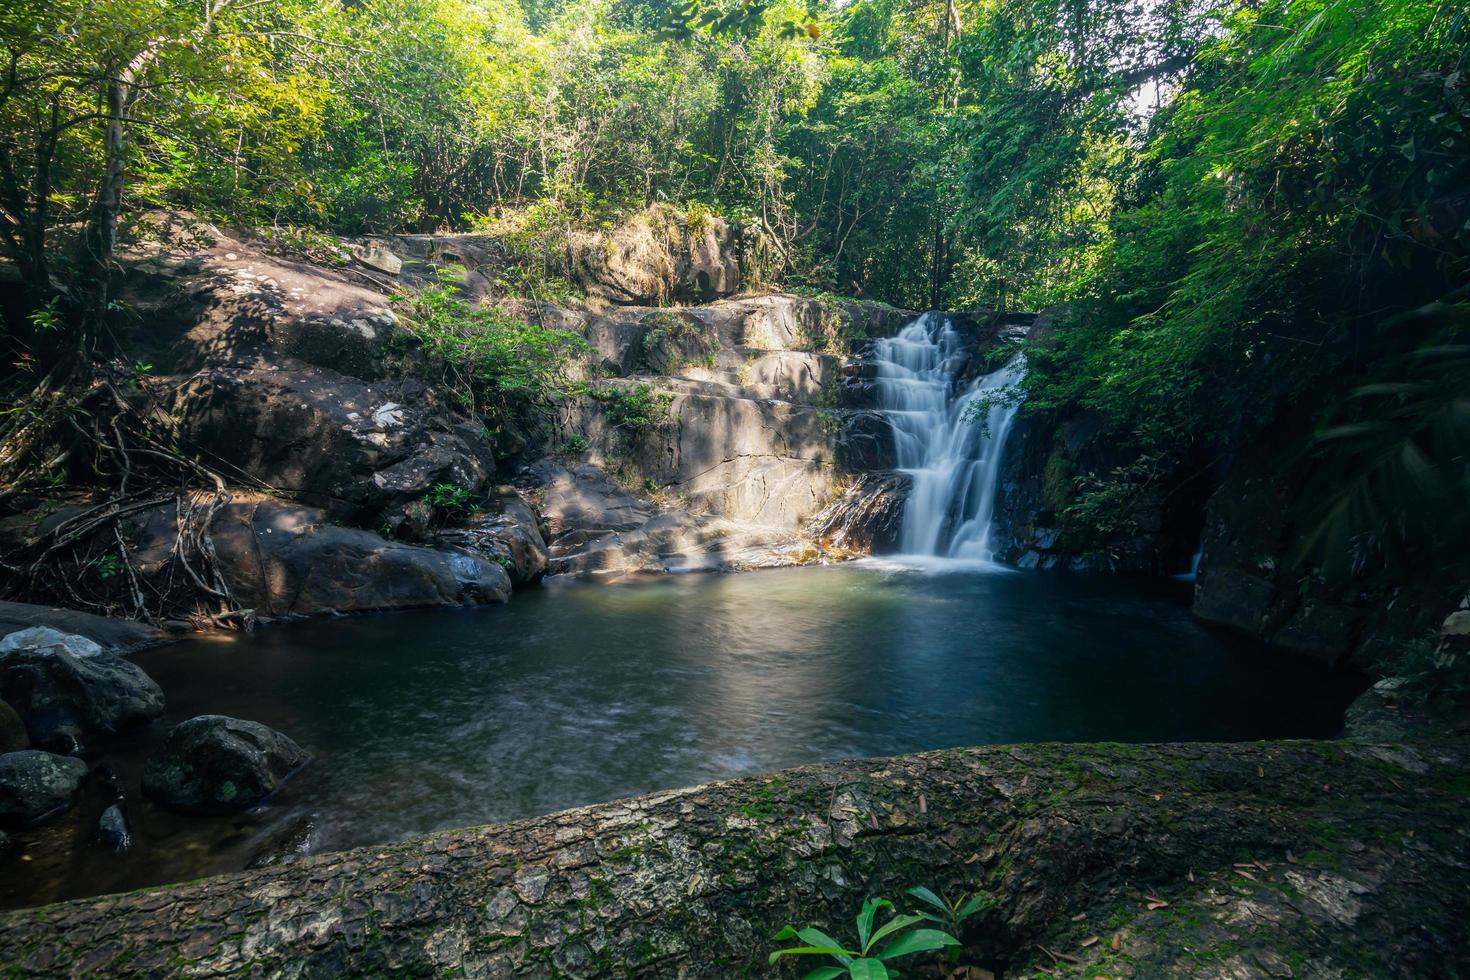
(1249, 212)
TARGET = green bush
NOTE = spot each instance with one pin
(493, 363)
(670, 342)
(634, 408)
(449, 502)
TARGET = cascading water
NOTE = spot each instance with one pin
(953, 458)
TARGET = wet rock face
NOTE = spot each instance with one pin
(112, 829)
(1246, 581)
(600, 530)
(34, 785)
(866, 518)
(68, 690)
(217, 764)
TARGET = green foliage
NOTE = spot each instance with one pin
(1245, 252)
(575, 445)
(492, 362)
(449, 502)
(448, 497)
(951, 914)
(633, 408)
(1434, 667)
(866, 961)
(108, 566)
(670, 342)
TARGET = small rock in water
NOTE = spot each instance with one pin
(217, 764)
(112, 829)
(35, 785)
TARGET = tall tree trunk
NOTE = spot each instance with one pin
(99, 239)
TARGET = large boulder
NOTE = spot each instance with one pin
(34, 785)
(657, 256)
(356, 449)
(282, 560)
(217, 764)
(67, 688)
(119, 636)
(508, 533)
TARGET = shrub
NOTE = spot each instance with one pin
(493, 363)
(634, 408)
(670, 342)
(449, 501)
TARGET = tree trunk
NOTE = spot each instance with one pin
(1349, 856)
(99, 240)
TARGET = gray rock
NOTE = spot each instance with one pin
(4, 842)
(375, 255)
(282, 559)
(112, 829)
(38, 637)
(217, 764)
(35, 785)
(508, 534)
(867, 518)
(119, 636)
(13, 735)
(332, 441)
(657, 256)
(66, 688)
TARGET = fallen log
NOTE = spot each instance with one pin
(1264, 859)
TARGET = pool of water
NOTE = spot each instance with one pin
(575, 693)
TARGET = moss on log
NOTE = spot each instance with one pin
(1266, 859)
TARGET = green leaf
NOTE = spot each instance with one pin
(918, 941)
(925, 895)
(825, 973)
(836, 951)
(867, 970)
(891, 926)
(865, 919)
(789, 932)
(817, 937)
(976, 902)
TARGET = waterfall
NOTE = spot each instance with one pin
(953, 458)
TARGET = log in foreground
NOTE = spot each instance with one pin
(1266, 859)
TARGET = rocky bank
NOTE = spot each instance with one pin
(1243, 861)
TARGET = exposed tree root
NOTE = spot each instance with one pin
(101, 448)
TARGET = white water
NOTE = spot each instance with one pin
(954, 460)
